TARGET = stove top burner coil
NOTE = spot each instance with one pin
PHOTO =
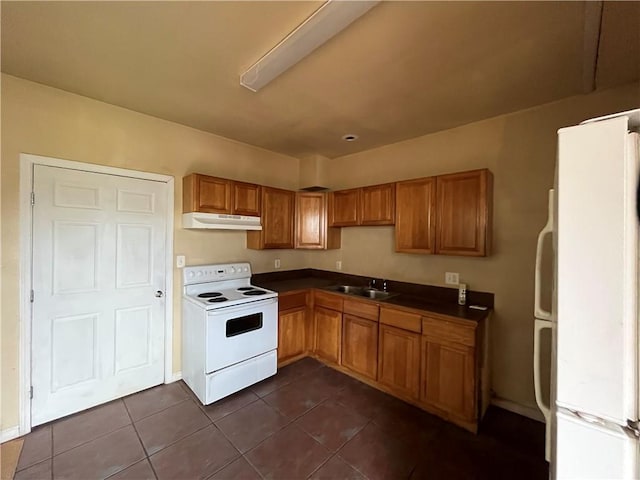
(217, 299)
(210, 295)
(255, 292)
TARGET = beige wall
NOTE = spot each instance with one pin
(46, 121)
(520, 150)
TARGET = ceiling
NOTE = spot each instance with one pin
(402, 70)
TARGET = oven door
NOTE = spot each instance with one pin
(235, 334)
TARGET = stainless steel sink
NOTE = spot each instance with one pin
(362, 292)
(350, 289)
(375, 294)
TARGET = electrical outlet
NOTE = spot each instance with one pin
(277, 263)
(180, 261)
(451, 278)
(338, 265)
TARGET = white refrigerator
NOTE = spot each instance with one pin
(592, 417)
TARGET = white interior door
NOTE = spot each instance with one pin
(98, 262)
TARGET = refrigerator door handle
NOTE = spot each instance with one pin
(539, 312)
(537, 384)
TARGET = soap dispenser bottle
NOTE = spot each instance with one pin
(462, 294)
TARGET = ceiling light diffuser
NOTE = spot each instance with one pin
(330, 19)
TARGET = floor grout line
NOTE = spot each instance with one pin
(144, 449)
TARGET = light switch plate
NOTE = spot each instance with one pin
(180, 261)
(451, 278)
(339, 265)
(277, 263)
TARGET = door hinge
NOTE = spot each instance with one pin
(33, 198)
(31, 392)
(633, 427)
(31, 296)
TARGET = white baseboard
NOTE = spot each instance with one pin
(9, 434)
(176, 376)
(530, 412)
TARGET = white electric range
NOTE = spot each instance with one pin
(229, 330)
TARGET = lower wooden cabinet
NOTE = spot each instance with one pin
(360, 345)
(448, 377)
(327, 334)
(436, 362)
(399, 361)
(292, 334)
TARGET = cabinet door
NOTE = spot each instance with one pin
(328, 331)
(201, 193)
(399, 360)
(464, 213)
(360, 345)
(344, 208)
(277, 220)
(291, 334)
(246, 199)
(312, 231)
(416, 215)
(378, 205)
(448, 377)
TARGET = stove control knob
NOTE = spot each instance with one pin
(246, 269)
(199, 273)
(232, 270)
(191, 274)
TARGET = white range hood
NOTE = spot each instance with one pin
(220, 221)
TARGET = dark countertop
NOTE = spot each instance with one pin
(429, 305)
(283, 286)
(412, 300)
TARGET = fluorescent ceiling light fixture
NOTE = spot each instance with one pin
(330, 19)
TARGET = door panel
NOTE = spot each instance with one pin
(76, 257)
(98, 258)
(134, 267)
(72, 366)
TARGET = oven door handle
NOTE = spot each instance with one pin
(244, 307)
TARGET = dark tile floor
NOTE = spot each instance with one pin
(308, 421)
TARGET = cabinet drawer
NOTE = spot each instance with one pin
(361, 309)
(291, 301)
(327, 300)
(400, 319)
(449, 331)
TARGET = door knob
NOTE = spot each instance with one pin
(159, 293)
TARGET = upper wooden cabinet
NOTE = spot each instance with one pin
(277, 220)
(447, 215)
(378, 204)
(463, 218)
(344, 208)
(246, 199)
(416, 215)
(202, 193)
(312, 231)
(374, 205)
